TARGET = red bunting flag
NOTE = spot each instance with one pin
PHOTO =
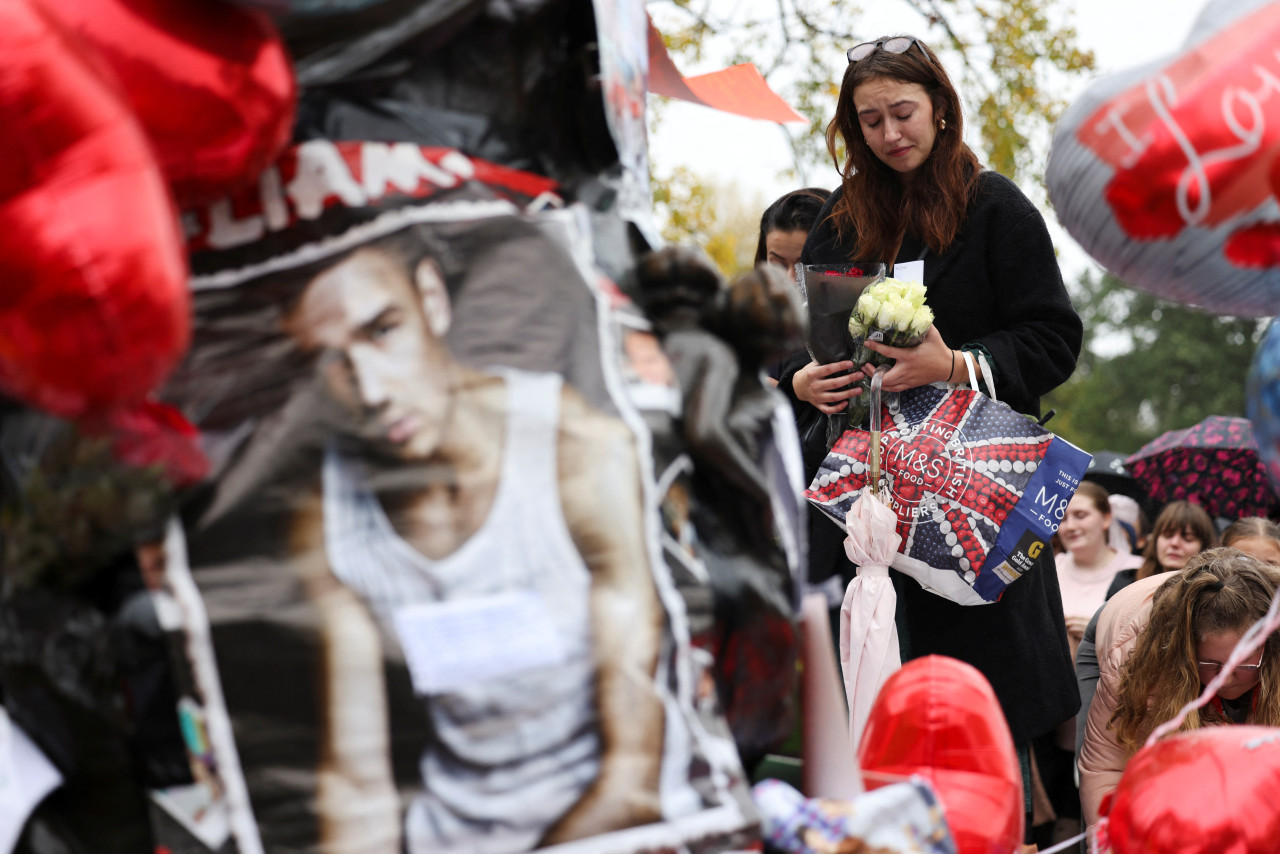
(741, 90)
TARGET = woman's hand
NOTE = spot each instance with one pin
(930, 361)
(814, 384)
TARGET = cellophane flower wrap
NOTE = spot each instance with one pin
(891, 312)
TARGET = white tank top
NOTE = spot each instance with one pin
(512, 754)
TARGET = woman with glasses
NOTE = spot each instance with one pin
(912, 189)
(1166, 638)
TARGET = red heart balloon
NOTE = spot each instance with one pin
(1209, 790)
(210, 82)
(938, 718)
(1161, 171)
(94, 309)
(1258, 245)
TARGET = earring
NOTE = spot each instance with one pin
(942, 124)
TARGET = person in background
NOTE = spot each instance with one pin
(1255, 536)
(1085, 571)
(1164, 638)
(1240, 535)
(912, 190)
(784, 227)
(1181, 530)
(1128, 520)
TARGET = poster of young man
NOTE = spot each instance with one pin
(438, 618)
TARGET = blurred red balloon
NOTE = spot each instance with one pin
(1161, 171)
(1258, 245)
(210, 82)
(1209, 791)
(938, 718)
(94, 306)
(154, 434)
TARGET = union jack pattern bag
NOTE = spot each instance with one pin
(978, 488)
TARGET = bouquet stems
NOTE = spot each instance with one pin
(860, 406)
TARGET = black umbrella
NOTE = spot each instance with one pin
(1109, 470)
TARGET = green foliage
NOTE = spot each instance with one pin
(76, 510)
(1149, 365)
(716, 218)
(1030, 54)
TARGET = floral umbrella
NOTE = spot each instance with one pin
(1215, 464)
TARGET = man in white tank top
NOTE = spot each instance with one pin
(479, 506)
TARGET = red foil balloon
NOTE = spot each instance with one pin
(94, 307)
(1166, 173)
(938, 718)
(1209, 791)
(1258, 245)
(210, 82)
(154, 434)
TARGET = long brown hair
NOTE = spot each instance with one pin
(876, 207)
(1220, 590)
(1182, 516)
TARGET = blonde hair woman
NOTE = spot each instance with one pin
(1255, 536)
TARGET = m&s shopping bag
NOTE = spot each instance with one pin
(978, 488)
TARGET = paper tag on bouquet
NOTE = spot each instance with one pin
(909, 271)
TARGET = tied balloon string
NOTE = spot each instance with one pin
(1255, 637)
(1099, 836)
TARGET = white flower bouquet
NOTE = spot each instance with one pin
(892, 312)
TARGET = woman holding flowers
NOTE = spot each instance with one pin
(911, 189)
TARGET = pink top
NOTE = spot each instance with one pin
(1084, 590)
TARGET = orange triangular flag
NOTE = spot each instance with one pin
(741, 90)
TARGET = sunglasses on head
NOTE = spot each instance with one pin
(896, 44)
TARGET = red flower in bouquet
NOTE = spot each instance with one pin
(156, 434)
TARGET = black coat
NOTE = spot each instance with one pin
(997, 285)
